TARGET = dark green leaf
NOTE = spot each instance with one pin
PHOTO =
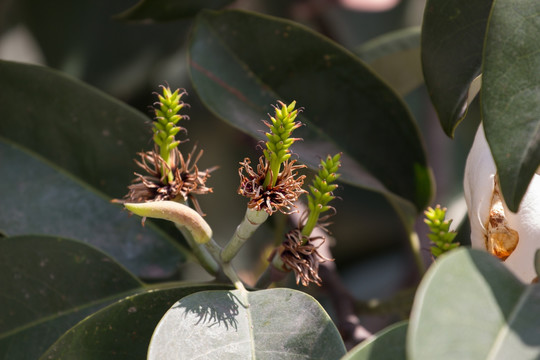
(469, 306)
(267, 324)
(395, 57)
(510, 94)
(388, 344)
(241, 63)
(49, 284)
(73, 125)
(452, 41)
(167, 10)
(123, 329)
(38, 198)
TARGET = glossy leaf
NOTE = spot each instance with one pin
(453, 34)
(38, 198)
(386, 344)
(167, 10)
(241, 63)
(49, 284)
(73, 125)
(510, 94)
(469, 306)
(123, 329)
(395, 57)
(267, 324)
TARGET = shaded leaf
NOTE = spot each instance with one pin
(386, 344)
(510, 94)
(241, 63)
(49, 284)
(167, 10)
(38, 198)
(267, 324)
(469, 306)
(73, 125)
(123, 329)
(395, 57)
(453, 34)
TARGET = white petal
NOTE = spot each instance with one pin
(480, 173)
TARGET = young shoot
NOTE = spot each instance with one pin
(165, 127)
(279, 140)
(441, 236)
(322, 191)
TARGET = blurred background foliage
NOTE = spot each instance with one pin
(129, 59)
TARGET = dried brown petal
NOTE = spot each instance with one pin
(280, 197)
(187, 179)
(302, 258)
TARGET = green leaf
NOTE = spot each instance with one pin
(38, 198)
(395, 57)
(241, 63)
(510, 94)
(49, 284)
(123, 329)
(452, 42)
(168, 10)
(73, 125)
(469, 306)
(386, 344)
(267, 324)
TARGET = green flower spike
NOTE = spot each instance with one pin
(440, 235)
(321, 191)
(165, 127)
(279, 140)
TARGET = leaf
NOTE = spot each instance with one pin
(469, 306)
(241, 63)
(168, 10)
(267, 324)
(389, 343)
(71, 124)
(123, 329)
(452, 42)
(510, 94)
(395, 57)
(38, 198)
(49, 284)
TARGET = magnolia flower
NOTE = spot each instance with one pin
(512, 237)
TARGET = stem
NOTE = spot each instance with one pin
(414, 241)
(214, 249)
(311, 223)
(200, 252)
(251, 221)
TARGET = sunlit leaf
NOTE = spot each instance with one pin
(469, 306)
(386, 344)
(267, 324)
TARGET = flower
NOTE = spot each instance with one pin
(301, 255)
(186, 181)
(512, 237)
(280, 197)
